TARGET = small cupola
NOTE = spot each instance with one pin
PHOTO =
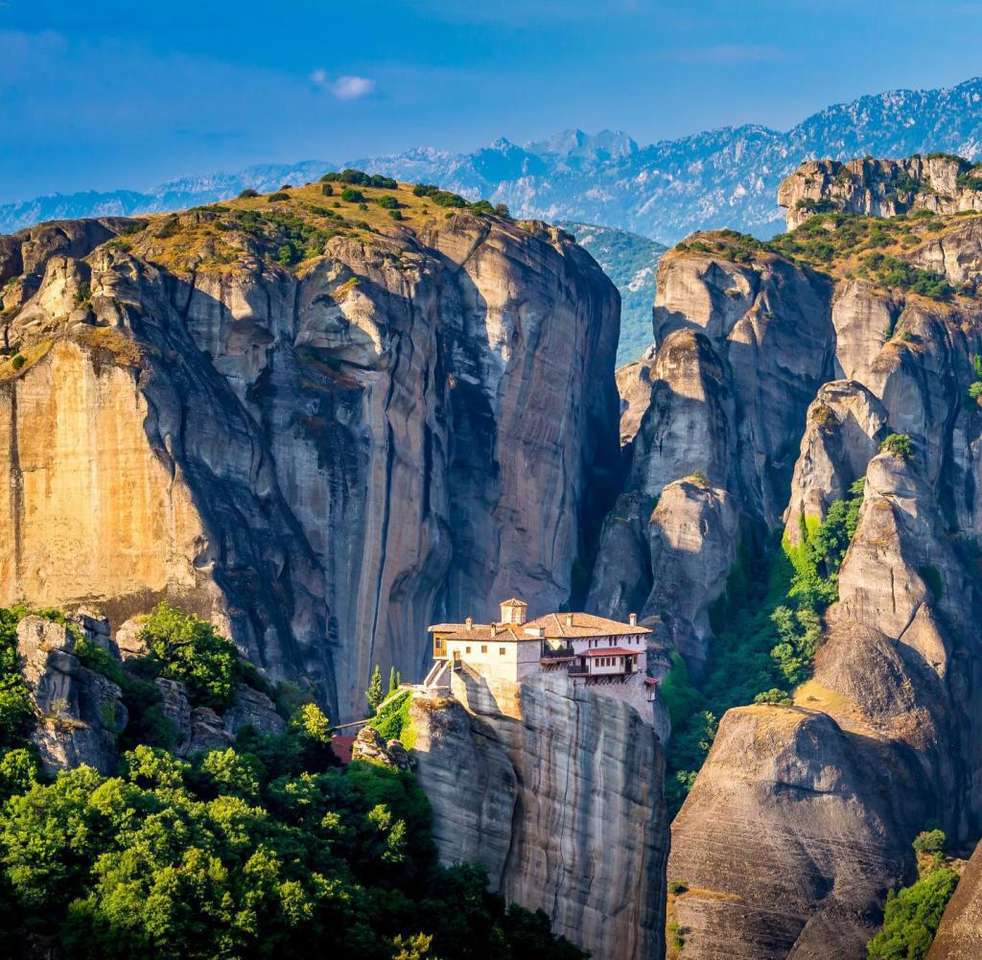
(632, 619)
(514, 611)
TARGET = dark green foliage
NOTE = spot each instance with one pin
(912, 914)
(930, 841)
(230, 857)
(375, 694)
(816, 206)
(275, 197)
(276, 229)
(975, 388)
(971, 178)
(388, 202)
(257, 851)
(767, 627)
(396, 214)
(361, 179)
(828, 237)
(894, 272)
(775, 697)
(16, 710)
(248, 194)
(442, 198)
(898, 445)
(18, 361)
(350, 195)
(933, 579)
(394, 680)
(189, 649)
(739, 247)
(287, 255)
(327, 190)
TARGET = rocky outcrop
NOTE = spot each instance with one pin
(371, 746)
(322, 462)
(634, 383)
(562, 804)
(843, 430)
(692, 540)
(79, 711)
(880, 188)
(772, 389)
(895, 685)
(740, 350)
(960, 935)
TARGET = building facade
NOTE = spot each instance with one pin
(589, 648)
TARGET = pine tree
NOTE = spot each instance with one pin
(374, 694)
(394, 680)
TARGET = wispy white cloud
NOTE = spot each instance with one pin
(347, 87)
(727, 53)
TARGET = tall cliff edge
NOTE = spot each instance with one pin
(777, 372)
(321, 426)
(562, 801)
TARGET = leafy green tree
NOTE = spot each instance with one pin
(189, 649)
(16, 709)
(911, 917)
(930, 841)
(899, 445)
(375, 694)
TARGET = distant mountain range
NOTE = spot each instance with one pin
(725, 177)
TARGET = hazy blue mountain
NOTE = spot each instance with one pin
(173, 195)
(725, 177)
(630, 261)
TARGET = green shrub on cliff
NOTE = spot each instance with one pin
(912, 914)
(16, 710)
(767, 627)
(190, 650)
(392, 718)
(898, 445)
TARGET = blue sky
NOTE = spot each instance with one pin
(115, 93)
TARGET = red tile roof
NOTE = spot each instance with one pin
(341, 746)
(582, 625)
(553, 626)
(610, 651)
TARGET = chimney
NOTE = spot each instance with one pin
(469, 623)
(632, 619)
(569, 619)
(494, 629)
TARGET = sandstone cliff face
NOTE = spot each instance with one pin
(562, 804)
(79, 712)
(879, 188)
(322, 461)
(960, 935)
(802, 816)
(740, 350)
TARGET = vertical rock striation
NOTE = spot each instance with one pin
(802, 816)
(960, 935)
(563, 805)
(323, 461)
